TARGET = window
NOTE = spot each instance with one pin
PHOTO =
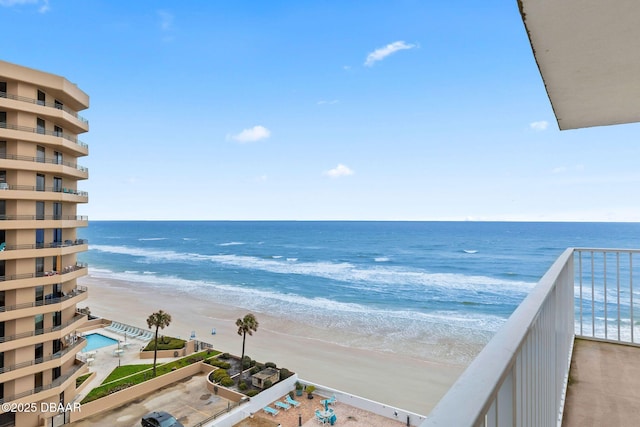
(39, 294)
(58, 104)
(39, 351)
(42, 97)
(40, 125)
(57, 157)
(40, 154)
(39, 182)
(2, 301)
(57, 184)
(39, 267)
(3, 119)
(57, 209)
(57, 318)
(56, 372)
(57, 346)
(39, 323)
(3, 149)
(57, 236)
(3, 89)
(37, 381)
(57, 131)
(39, 238)
(40, 210)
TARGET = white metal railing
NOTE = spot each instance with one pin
(520, 377)
(605, 306)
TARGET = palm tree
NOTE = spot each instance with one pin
(246, 325)
(159, 319)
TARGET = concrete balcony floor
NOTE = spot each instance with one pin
(604, 387)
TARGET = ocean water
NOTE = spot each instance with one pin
(433, 289)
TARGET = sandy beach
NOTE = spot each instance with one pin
(392, 378)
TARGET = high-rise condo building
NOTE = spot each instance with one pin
(39, 269)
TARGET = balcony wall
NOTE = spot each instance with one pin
(31, 223)
(31, 309)
(65, 119)
(31, 337)
(78, 148)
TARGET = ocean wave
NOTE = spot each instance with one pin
(313, 309)
(142, 239)
(381, 259)
(346, 272)
(231, 244)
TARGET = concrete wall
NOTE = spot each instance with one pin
(91, 325)
(181, 352)
(132, 393)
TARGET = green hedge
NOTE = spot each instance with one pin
(168, 343)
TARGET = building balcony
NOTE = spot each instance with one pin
(46, 164)
(30, 367)
(521, 377)
(29, 280)
(50, 390)
(53, 110)
(47, 305)
(44, 137)
(41, 335)
(21, 222)
(31, 192)
(43, 249)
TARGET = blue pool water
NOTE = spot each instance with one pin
(96, 341)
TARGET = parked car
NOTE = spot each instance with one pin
(160, 419)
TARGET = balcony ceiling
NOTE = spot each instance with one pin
(588, 53)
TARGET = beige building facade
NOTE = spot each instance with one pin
(39, 246)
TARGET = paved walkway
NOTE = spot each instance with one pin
(604, 388)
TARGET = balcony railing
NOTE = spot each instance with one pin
(48, 160)
(54, 245)
(43, 217)
(55, 383)
(46, 104)
(68, 137)
(520, 377)
(5, 186)
(54, 356)
(47, 301)
(65, 270)
(28, 334)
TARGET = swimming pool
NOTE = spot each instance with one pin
(95, 341)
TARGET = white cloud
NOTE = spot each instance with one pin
(44, 7)
(338, 171)
(381, 53)
(559, 169)
(253, 134)
(539, 126)
(166, 20)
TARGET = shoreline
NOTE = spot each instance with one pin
(406, 382)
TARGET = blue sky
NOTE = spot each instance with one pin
(376, 110)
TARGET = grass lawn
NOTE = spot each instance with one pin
(138, 376)
(125, 371)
